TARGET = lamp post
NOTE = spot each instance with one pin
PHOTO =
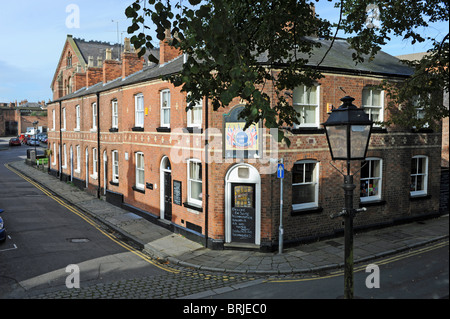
(35, 123)
(348, 131)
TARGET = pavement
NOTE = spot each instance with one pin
(163, 244)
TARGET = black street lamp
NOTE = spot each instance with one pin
(35, 123)
(348, 131)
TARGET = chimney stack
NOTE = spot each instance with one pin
(112, 69)
(131, 63)
(166, 51)
(94, 75)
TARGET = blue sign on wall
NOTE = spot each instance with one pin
(280, 171)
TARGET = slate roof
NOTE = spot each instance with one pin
(98, 49)
(338, 59)
(147, 73)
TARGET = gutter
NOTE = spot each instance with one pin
(98, 146)
(60, 142)
(206, 172)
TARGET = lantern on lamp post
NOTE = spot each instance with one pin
(348, 131)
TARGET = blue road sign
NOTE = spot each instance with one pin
(280, 171)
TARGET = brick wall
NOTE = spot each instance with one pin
(394, 148)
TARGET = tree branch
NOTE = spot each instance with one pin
(335, 35)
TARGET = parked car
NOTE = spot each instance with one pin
(15, 141)
(33, 141)
(44, 140)
(2, 229)
(41, 136)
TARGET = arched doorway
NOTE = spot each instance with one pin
(165, 189)
(243, 205)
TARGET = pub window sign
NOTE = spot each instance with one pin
(240, 143)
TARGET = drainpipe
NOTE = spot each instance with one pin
(60, 142)
(98, 145)
(206, 172)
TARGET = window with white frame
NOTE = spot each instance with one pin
(140, 171)
(373, 104)
(78, 164)
(371, 179)
(420, 111)
(305, 184)
(115, 114)
(54, 154)
(165, 108)
(94, 162)
(77, 117)
(306, 103)
(64, 164)
(195, 182)
(194, 115)
(63, 119)
(115, 166)
(94, 116)
(54, 120)
(139, 110)
(419, 175)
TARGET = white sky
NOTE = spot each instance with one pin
(32, 36)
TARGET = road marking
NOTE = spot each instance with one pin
(92, 222)
(7, 249)
(363, 267)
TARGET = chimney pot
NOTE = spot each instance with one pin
(108, 54)
(127, 45)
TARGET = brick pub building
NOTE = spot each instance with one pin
(118, 131)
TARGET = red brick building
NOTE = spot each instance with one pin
(124, 134)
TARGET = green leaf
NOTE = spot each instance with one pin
(130, 12)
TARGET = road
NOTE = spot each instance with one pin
(46, 235)
(422, 273)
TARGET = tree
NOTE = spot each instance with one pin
(257, 50)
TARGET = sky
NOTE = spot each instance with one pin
(33, 33)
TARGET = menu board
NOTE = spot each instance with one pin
(177, 192)
(243, 224)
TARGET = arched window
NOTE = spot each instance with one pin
(69, 60)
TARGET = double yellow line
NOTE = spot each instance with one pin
(92, 222)
(378, 263)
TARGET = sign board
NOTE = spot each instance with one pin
(177, 193)
(280, 171)
(243, 224)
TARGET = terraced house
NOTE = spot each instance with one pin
(119, 131)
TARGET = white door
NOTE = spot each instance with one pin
(243, 205)
(87, 167)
